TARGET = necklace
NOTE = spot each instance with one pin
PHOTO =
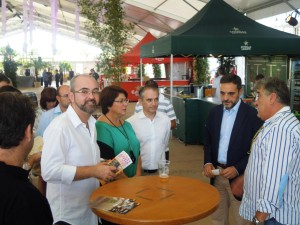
(254, 138)
(124, 134)
(131, 154)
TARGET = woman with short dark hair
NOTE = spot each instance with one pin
(113, 133)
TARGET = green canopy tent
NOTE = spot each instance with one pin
(219, 29)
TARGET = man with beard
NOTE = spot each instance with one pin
(71, 156)
(229, 130)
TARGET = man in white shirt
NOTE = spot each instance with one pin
(216, 83)
(164, 106)
(152, 129)
(71, 156)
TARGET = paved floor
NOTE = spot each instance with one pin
(186, 160)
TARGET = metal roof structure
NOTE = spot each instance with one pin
(159, 17)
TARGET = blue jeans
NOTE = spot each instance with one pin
(272, 221)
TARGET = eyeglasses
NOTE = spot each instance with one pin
(87, 92)
(123, 101)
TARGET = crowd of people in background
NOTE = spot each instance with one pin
(254, 149)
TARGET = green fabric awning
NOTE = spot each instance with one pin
(219, 29)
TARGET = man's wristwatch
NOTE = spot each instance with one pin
(255, 221)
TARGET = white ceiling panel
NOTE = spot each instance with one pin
(156, 16)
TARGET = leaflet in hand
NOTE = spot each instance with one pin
(37, 145)
(121, 161)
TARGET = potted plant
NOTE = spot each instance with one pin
(65, 66)
(201, 70)
(10, 66)
(156, 70)
(228, 63)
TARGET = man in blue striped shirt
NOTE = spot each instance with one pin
(272, 176)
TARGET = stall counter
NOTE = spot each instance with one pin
(132, 87)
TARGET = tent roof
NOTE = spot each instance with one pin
(219, 29)
(133, 55)
(159, 17)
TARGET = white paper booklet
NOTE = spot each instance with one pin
(121, 161)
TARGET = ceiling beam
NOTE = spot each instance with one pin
(142, 23)
(291, 6)
(262, 6)
(151, 9)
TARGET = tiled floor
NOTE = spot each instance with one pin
(186, 160)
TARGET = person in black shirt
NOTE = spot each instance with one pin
(21, 202)
(71, 74)
(57, 77)
(61, 77)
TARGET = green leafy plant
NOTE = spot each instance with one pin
(227, 62)
(201, 68)
(36, 62)
(107, 29)
(65, 66)
(38, 65)
(156, 70)
(10, 66)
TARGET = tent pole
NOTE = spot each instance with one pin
(171, 79)
(141, 71)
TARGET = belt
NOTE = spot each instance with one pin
(150, 171)
(223, 166)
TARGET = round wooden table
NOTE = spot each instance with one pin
(177, 201)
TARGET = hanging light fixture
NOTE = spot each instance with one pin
(292, 20)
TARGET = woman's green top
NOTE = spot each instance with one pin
(113, 140)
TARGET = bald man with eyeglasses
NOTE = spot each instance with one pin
(71, 157)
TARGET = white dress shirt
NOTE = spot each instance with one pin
(153, 136)
(68, 144)
(216, 85)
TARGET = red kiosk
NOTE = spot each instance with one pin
(132, 57)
